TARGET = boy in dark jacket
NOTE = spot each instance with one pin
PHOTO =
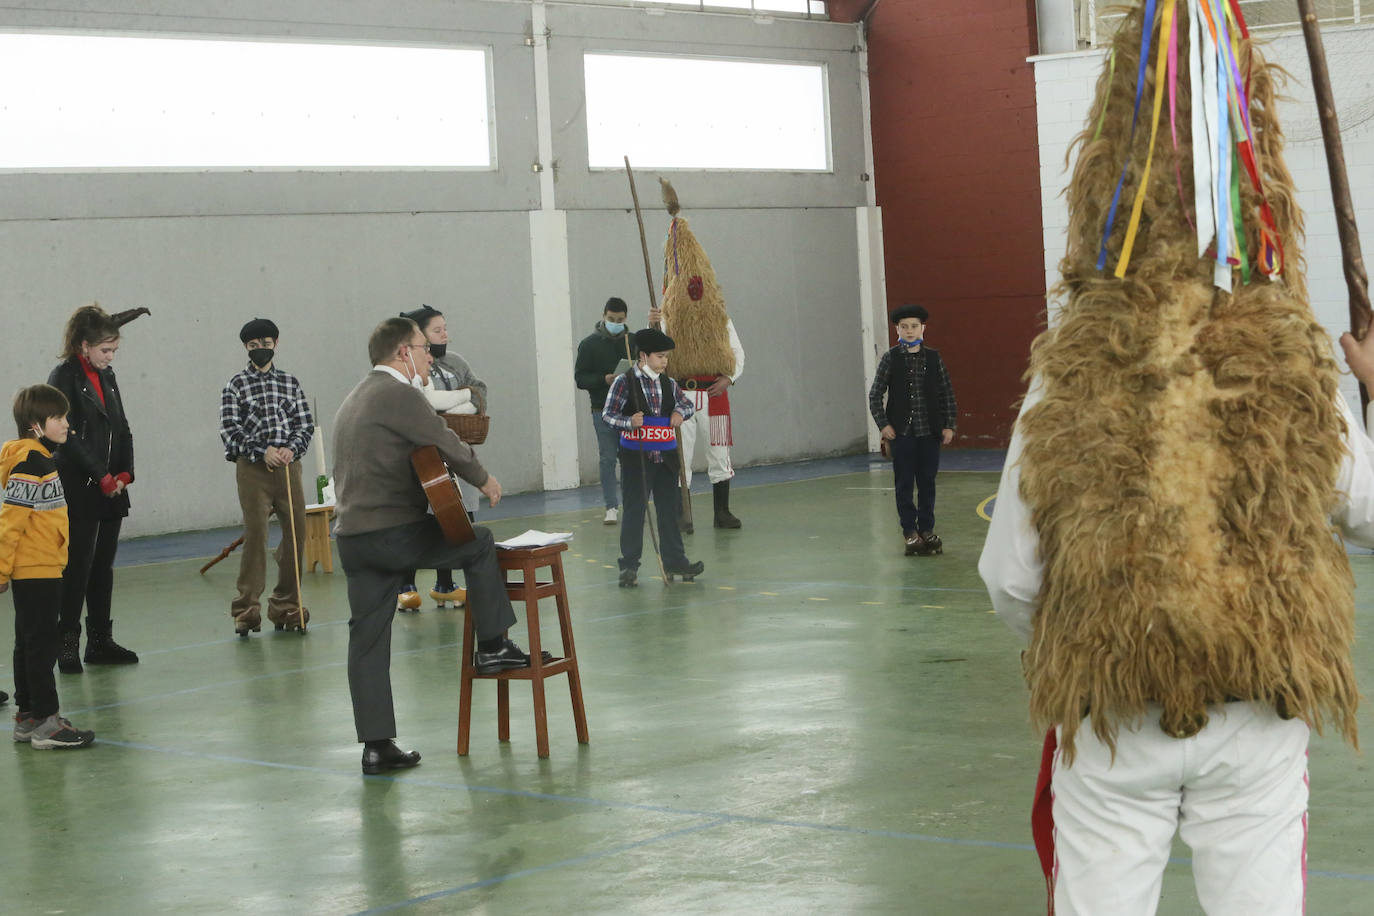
(33, 553)
(918, 417)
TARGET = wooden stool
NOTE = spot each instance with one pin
(317, 549)
(527, 560)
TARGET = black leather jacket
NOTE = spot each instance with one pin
(99, 443)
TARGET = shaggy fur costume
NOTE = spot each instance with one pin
(1181, 467)
(693, 305)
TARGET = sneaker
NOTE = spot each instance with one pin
(612, 516)
(57, 732)
(914, 542)
(24, 724)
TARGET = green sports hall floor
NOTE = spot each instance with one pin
(817, 725)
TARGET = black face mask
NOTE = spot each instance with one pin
(48, 444)
(261, 356)
(438, 350)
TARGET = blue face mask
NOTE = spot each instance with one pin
(910, 343)
(613, 327)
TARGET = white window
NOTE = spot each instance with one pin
(99, 102)
(704, 113)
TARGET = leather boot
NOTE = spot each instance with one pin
(69, 656)
(724, 519)
(101, 649)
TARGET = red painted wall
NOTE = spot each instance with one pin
(958, 178)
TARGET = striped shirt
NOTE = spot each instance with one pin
(258, 409)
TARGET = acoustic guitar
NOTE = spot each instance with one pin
(441, 489)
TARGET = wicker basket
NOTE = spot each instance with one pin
(471, 428)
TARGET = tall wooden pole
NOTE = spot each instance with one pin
(653, 304)
(1356, 279)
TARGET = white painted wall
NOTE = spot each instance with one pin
(328, 255)
(1064, 87)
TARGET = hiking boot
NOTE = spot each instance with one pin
(56, 732)
(24, 724)
(101, 649)
(914, 542)
(688, 572)
(69, 655)
(629, 578)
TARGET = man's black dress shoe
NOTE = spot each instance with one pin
(388, 757)
(688, 572)
(508, 655)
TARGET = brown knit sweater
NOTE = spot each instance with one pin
(379, 424)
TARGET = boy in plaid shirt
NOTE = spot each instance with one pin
(266, 426)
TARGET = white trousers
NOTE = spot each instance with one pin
(1236, 793)
(717, 456)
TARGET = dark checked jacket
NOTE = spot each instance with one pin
(919, 394)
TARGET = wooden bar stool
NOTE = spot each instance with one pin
(317, 548)
(527, 561)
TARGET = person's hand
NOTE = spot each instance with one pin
(637, 420)
(125, 478)
(720, 384)
(269, 457)
(491, 489)
(4, 587)
(1359, 355)
(119, 487)
(676, 419)
(888, 433)
(286, 455)
(108, 485)
(655, 316)
(947, 437)
(610, 378)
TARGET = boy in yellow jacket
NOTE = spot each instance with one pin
(33, 553)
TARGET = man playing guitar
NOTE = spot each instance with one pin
(384, 530)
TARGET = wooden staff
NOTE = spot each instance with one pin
(1356, 280)
(653, 306)
(223, 554)
(295, 547)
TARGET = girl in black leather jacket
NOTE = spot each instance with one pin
(97, 466)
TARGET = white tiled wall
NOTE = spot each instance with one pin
(1064, 86)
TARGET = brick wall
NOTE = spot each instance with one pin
(958, 178)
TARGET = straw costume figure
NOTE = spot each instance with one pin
(708, 358)
(1163, 529)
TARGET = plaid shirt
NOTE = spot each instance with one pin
(914, 364)
(614, 411)
(258, 409)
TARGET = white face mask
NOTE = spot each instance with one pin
(415, 379)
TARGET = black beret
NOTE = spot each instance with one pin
(422, 315)
(652, 340)
(257, 329)
(911, 311)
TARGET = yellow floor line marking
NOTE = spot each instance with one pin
(770, 594)
(878, 603)
(817, 599)
(606, 566)
(726, 588)
(982, 509)
(938, 607)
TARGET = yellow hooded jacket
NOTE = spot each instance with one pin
(33, 516)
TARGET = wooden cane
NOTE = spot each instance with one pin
(653, 305)
(1356, 280)
(223, 554)
(296, 548)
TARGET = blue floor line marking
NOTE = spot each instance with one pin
(539, 869)
(717, 818)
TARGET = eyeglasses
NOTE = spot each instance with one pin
(416, 346)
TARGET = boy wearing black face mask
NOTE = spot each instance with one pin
(266, 425)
